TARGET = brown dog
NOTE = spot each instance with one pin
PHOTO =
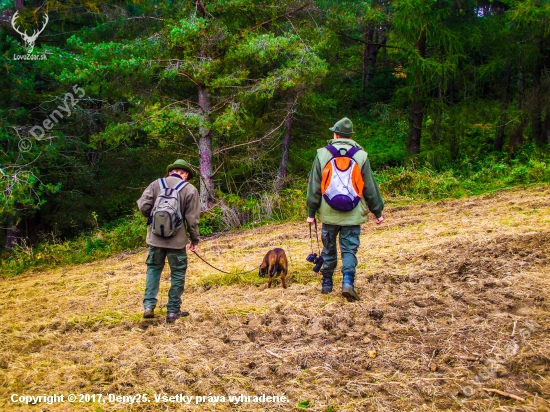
(274, 263)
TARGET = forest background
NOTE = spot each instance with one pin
(449, 98)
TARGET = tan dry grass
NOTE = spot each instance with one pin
(442, 286)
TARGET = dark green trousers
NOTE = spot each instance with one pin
(349, 244)
(177, 259)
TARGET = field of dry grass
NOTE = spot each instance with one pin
(455, 308)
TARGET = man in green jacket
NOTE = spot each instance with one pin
(345, 223)
(172, 247)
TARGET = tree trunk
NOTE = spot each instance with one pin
(279, 181)
(416, 114)
(536, 104)
(521, 90)
(415, 127)
(364, 71)
(438, 112)
(453, 145)
(546, 127)
(515, 139)
(12, 234)
(205, 151)
(373, 44)
(205, 135)
(536, 121)
(516, 133)
(498, 144)
(437, 118)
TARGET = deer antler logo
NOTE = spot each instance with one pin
(29, 40)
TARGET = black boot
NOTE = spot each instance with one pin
(347, 287)
(326, 284)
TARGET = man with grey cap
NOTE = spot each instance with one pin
(342, 214)
(170, 245)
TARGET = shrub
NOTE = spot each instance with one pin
(233, 212)
(127, 234)
(423, 184)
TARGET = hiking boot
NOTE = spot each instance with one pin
(172, 316)
(149, 313)
(326, 284)
(349, 293)
(347, 288)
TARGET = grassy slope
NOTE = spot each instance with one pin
(442, 284)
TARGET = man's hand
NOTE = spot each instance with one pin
(193, 248)
(379, 220)
(310, 220)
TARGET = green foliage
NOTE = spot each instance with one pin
(531, 165)
(383, 136)
(210, 221)
(469, 177)
(23, 189)
(419, 184)
(126, 235)
(235, 212)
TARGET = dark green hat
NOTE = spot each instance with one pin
(181, 164)
(343, 127)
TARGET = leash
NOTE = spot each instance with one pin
(316, 235)
(223, 271)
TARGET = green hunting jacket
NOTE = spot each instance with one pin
(370, 200)
(190, 207)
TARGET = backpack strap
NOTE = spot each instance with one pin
(164, 185)
(351, 152)
(169, 190)
(333, 151)
(336, 153)
(180, 185)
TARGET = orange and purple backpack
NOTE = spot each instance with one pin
(342, 183)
